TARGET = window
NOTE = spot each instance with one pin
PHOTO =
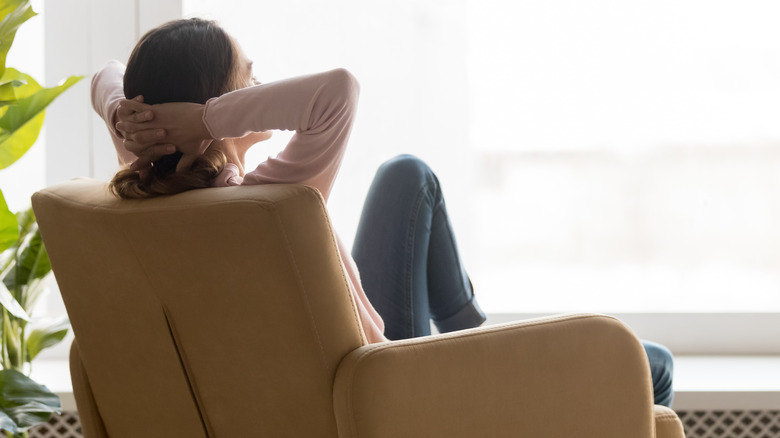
(597, 155)
(600, 156)
(631, 149)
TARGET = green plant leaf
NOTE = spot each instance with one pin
(9, 231)
(33, 263)
(23, 84)
(16, 143)
(10, 304)
(22, 121)
(12, 14)
(26, 221)
(7, 95)
(47, 336)
(8, 6)
(25, 402)
(6, 423)
(8, 91)
(30, 295)
(13, 82)
(13, 343)
(38, 257)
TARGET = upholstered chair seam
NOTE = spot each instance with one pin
(186, 369)
(304, 294)
(332, 240)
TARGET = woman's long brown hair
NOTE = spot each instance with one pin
(189, 60)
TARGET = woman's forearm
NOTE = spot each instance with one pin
(107, 93)
(304, 104)
(319, 107)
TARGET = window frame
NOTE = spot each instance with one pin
(694, 333)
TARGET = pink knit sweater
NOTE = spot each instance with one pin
(320, 108)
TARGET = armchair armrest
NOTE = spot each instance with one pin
(576, 375)
(667, 423)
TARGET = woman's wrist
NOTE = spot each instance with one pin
(201, 128)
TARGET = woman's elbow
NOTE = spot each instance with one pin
(345, 85)
(93, 92)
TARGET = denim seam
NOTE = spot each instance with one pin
(438, 210)
(410, 240)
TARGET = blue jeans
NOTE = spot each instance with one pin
(407, 256)
(661, 370)
(408, 260)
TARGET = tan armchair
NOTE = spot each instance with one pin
(225, 313)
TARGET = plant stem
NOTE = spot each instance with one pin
(22, 349)
(7, 268)
(2, 338)
(6, 359)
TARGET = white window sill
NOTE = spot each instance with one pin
(701, 382)
(727, 383)
(55, 375)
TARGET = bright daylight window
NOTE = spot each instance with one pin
(599, 156)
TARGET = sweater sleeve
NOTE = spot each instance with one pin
(107, 91)
(320, 108)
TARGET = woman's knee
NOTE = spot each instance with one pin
(659, 355)
(405, 168)
(662, 371)
(661, 360)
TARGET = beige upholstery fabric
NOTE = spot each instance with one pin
(91, 424)
(225, 313)
(667, 423)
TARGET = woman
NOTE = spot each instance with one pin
(205, 103)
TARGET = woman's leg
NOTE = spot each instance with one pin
(661, 369)
(407, 257)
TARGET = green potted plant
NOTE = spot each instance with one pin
(24, 263)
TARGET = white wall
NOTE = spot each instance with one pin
(81, 35)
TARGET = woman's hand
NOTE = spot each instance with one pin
(144, 142)
(151, 130)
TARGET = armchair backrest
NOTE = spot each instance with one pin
(213, 313)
